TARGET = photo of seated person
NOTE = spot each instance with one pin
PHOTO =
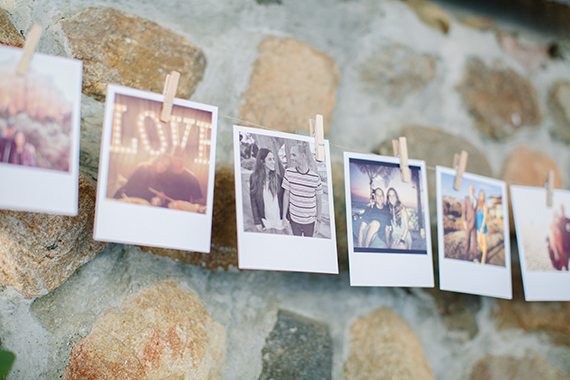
(375, 225)
(181, 184)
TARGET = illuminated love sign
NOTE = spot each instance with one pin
(118, 147)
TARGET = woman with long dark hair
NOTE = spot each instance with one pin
(266, 192)
(400, 237)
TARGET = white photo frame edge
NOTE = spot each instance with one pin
(324, 255)
(104, 228)
(471, 272)
(367, 263)
(47, 191)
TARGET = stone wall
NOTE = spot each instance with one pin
(444, 76)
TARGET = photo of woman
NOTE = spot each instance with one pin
(266, 192)
(481, 216)
(400, 237)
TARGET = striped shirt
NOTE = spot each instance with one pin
(303, 191)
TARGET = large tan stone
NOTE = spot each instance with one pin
(559, 104)
(385, 347)
(9, 35)
(290, 83)
(396, 72)
(161, 332)
(430, 14)
(128, 50)
(223, 252)
(530, 367)
(38, 252)
(550, 318)
(500, 100)
(528, 168)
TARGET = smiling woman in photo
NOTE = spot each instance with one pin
(400, 235)
(266, 192)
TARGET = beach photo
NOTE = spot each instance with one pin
(283, 202)
(387, 213)
(473, 221)
(39, 133)
(156, 178)
(389, 240)
(543, 239)
(473, 235)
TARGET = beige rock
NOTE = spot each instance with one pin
(385, 347)
(131, 51)
(159, 333)
(396, 71)
(531, 57)
(478, 22)
(546, 317)
(530, 367)
(290, 83)
(430, 14)
(527, 168)
(38, 252)
(437, 148)
(223, 252)
(9, 35)
(500, 100)
(559, 104)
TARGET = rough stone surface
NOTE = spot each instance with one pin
(297, 348)
(531, 57)
(430, 14)
(528, 168)
(500, 100)
(161, 332)
(9, 35)
(478, 22)
(38, 252)
(506, 368)
(223, 252)
(291, 82)
(458, 311)
(550, 318)
(396, 71)
(422, 140)
(559, 104)
(385, 347)
(130, 51)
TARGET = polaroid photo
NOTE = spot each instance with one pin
(543, 237)
(389, 240)
(40, 116)
(473, 235)
(156, 180)
(284, 203)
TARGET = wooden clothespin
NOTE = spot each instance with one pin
(401, 150)
(549, 185)
(29, 49)
(317, 130)
(459, 163)
(170, 87)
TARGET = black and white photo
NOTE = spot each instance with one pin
(282, 191)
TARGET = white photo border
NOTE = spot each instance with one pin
(392, 268)
(38, 189)
(151, 226)
(468, 277)
(283, 252)
(540, 285)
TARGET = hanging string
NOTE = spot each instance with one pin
(340, 146)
